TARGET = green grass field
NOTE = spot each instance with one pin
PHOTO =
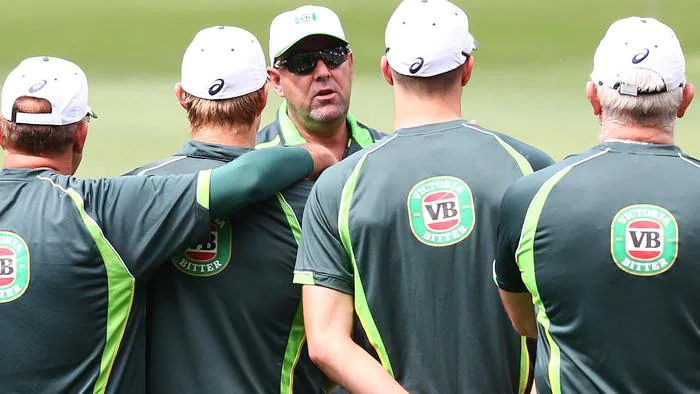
(531, 68)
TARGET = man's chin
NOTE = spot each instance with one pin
(328, 113)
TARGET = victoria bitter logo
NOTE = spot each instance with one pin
(644, 240)
(209, 257)
(441, 210)
(14, 266)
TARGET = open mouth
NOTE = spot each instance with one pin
(325, 93)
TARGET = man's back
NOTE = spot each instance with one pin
(224, 315)
(608, 249)
(417, 221)
(70, 275)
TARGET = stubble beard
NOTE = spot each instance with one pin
(329, 112)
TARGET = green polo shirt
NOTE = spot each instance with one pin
(284, 132)
(606, 243)
(408, 228)
(74, 256)
(223, 314)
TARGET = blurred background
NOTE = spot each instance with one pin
(531, 68)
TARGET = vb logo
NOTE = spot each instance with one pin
(205, 251)
(644, 239)
(441, 210)
(14, 266)
(7, 267)
(211, 256)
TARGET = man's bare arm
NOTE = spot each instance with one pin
(328, 316)
(521, 312)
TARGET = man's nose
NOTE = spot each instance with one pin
(321, 71)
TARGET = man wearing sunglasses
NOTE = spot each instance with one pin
(312, 69)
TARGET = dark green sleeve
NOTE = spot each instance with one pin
(148, 219)
(321, 259)
(512, 213)
(256, 176)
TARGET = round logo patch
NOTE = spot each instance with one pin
(210, 257)
(441, 210)
(14, 266)
(644, 240)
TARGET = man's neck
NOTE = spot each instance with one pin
(244, 138)
(332, 135)
(60, 163)
(414, 111)
(635, 134)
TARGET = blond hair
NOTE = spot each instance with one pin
(228, 113)
(653, 107)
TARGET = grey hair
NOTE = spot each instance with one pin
(648, 109)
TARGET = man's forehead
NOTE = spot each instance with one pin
(314, 43)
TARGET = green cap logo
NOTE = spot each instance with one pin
(644, 240)
(305, 18)
(210, 257)
(14, 266)
(441, 210)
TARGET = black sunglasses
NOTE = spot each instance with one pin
(305, 63)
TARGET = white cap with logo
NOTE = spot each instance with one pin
(223, 62)
(425, 38)
(56, 80)
(638, 43)
(290, 27)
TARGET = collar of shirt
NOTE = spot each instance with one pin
(212, 151)
(433, 127)
(292, 136)
(18, 173)
(642, 149)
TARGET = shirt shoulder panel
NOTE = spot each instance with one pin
(152, 168)
(536, 157)
(514, 211)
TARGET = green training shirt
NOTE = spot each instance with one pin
(73, 258)
(224, 315)
(606, 242)
(408, 227)
(284, 132)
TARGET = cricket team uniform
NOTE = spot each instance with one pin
(224, 315)
(606, 243)
(283, 132)
(73, 257)
(408, 228)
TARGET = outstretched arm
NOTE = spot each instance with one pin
(260, 174)
(328, 316)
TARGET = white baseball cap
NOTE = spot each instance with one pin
(223, 62)
(290, 27)
(638, 43)
(59, 81)
(427, 37)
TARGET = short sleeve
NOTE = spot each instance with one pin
(536, 158)
(539, 160)
(148, 219)
(321, 259)
(511, 217)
